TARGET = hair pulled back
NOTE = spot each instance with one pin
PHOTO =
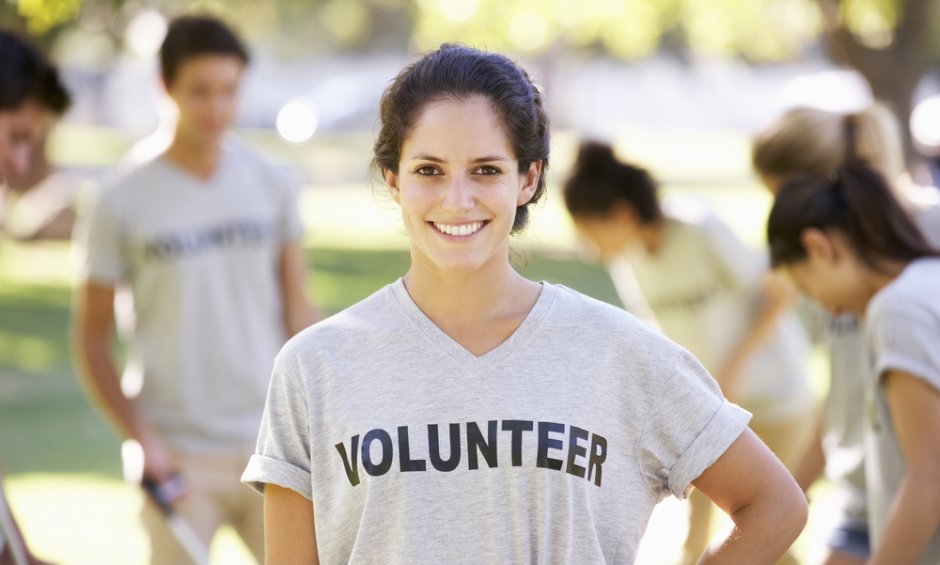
(857, 202)
(600, 181)
(460, 72)
(809, 140)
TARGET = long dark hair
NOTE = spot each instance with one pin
(856, 201)
(599, 181)
(459, 72)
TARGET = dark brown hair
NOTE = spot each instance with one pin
(25, 74)
(459, 72)
(600, 180)
(854, 200)
(192, 36)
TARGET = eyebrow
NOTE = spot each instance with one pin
(484, 159)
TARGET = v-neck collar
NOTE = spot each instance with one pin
(435, 334)
(192, 179)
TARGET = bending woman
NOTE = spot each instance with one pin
(848, 244)
(814, 141)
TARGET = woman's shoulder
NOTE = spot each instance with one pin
(590, 317)
(376, 314)
(913, 292)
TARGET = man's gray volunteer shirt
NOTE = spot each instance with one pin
(552, 448)
(201, 261)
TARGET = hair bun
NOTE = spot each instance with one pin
(594, 155)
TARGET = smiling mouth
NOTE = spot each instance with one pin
(458, 230)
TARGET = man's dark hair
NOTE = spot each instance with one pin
(25, 74)
(192, 36)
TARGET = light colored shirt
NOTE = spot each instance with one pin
(200, 258)
(902, 330)
(554, 447)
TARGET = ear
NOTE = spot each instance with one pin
(391, 179)
(819, 245)
(530, 181)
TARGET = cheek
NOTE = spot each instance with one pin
(803, 280)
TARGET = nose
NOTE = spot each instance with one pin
(18, 162)
(459, 196)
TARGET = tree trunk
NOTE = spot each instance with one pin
(893, 72)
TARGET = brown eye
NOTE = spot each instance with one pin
(488, 170)
(426, 171)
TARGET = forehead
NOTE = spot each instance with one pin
(458, 124)
(209, 66)
(23, 121)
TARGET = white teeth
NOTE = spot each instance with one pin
(460, 229)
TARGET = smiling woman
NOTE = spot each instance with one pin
(466, 413)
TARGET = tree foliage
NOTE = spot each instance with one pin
(759, 30)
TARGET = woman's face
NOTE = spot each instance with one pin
(458, 185)
(205, 90)
(605, 237)
(831, 274)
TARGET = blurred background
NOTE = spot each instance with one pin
(678, 85)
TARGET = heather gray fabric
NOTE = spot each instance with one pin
(201, 261)
(702, 285)
(902, 329)
(552, 448)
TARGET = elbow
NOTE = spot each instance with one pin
(792, 512)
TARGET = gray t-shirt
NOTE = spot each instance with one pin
(552, 448)
(902, 329)
(201, 261)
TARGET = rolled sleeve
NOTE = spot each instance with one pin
(282, 455)
(689, 428)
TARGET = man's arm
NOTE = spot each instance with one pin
(298, 312)
(767, 507)
(94, 323)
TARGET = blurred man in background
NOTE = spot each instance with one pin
(206, 237)
(31, 95)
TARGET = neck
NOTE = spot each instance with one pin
(196, 157)
(490, 292)
(652, 236)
